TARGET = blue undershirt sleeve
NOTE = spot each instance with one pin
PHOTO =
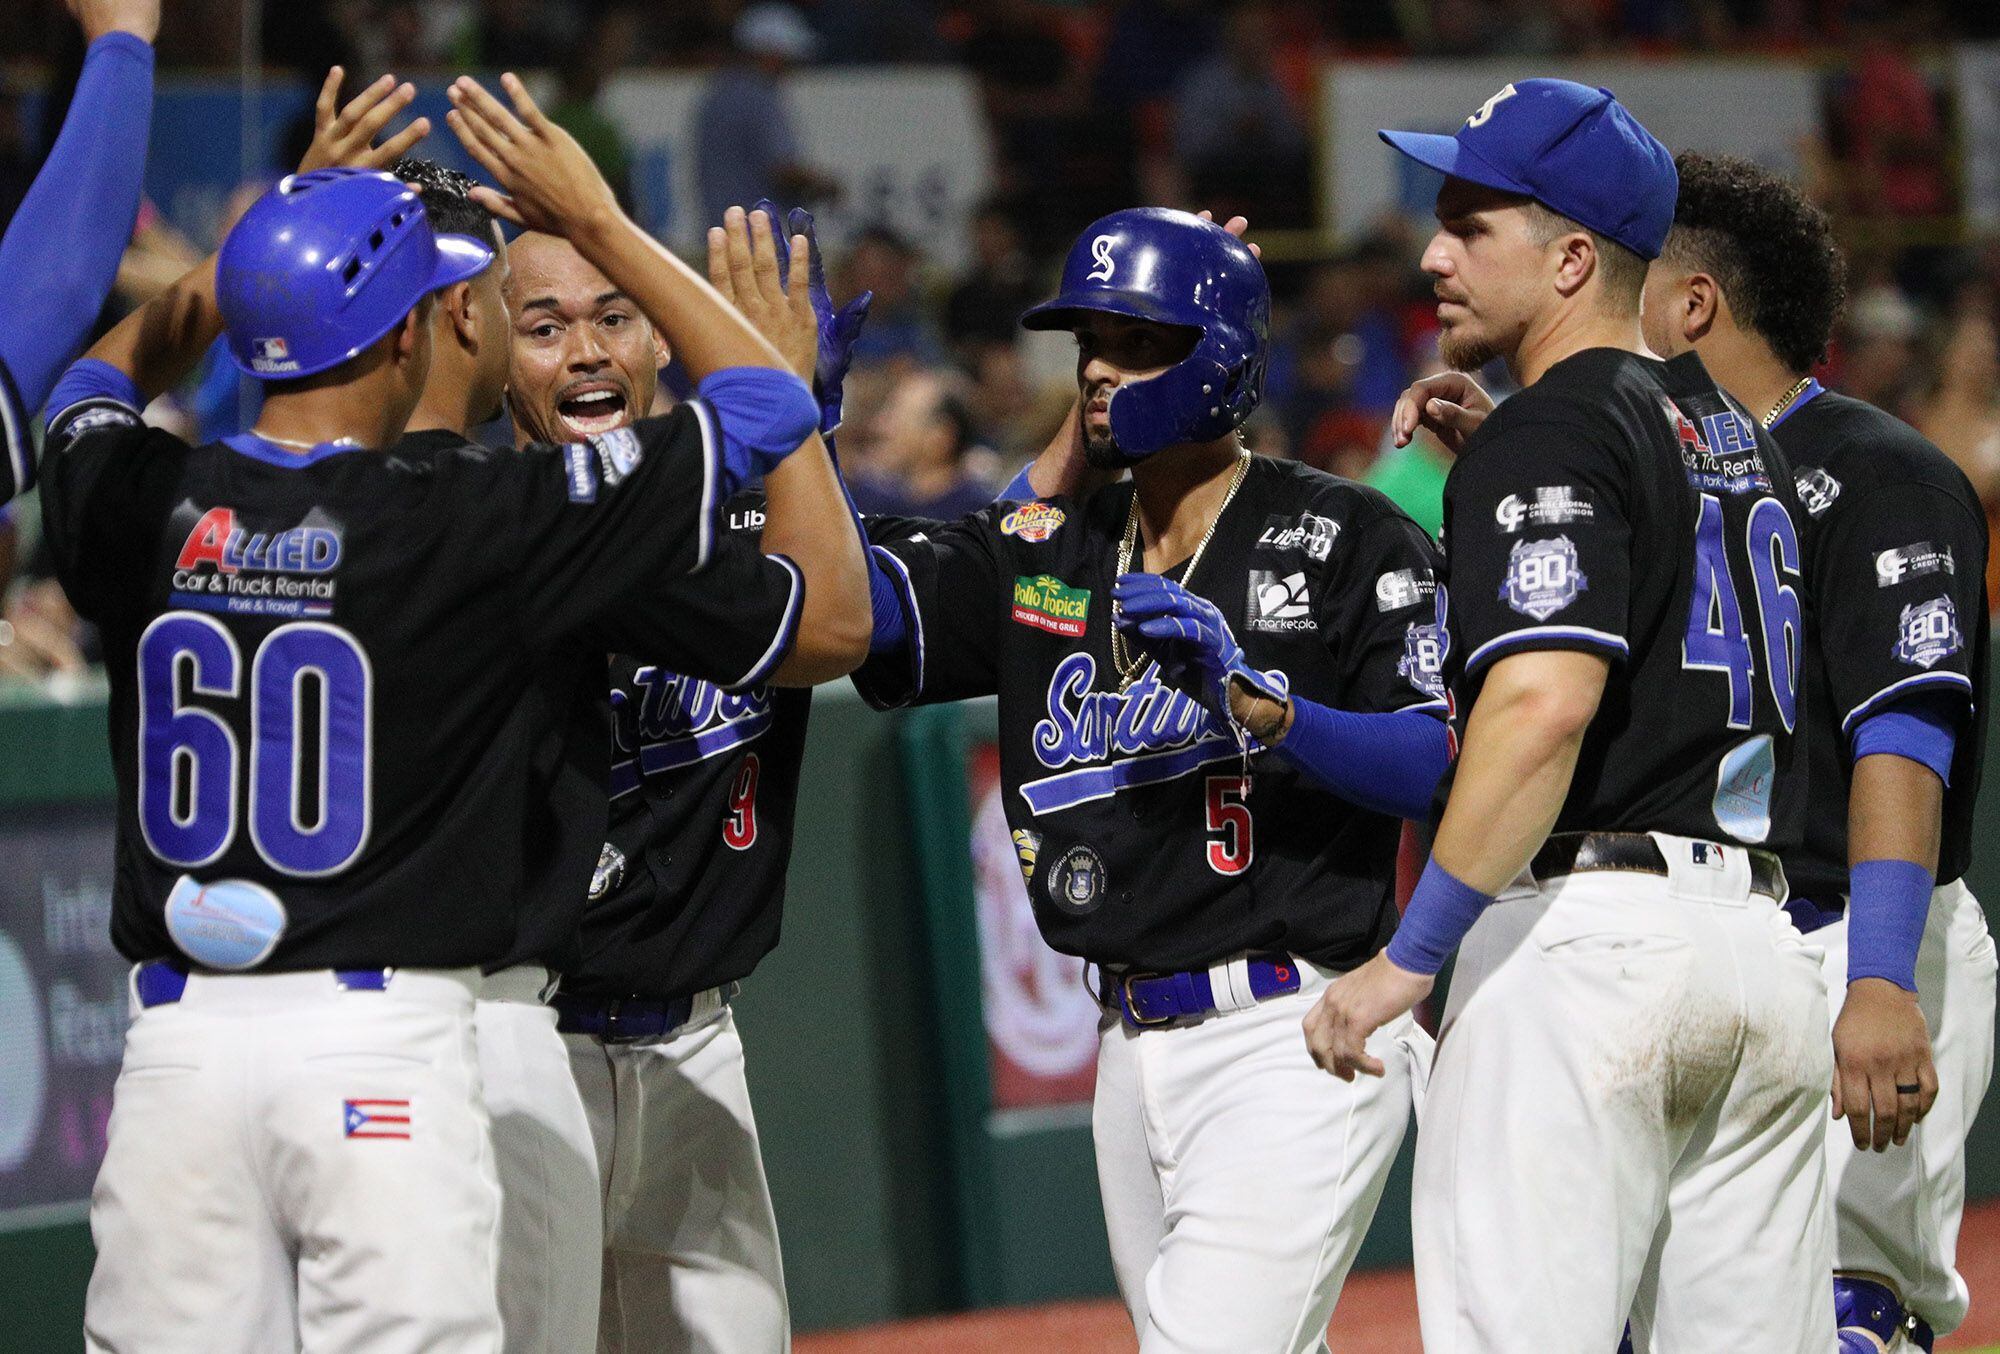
(89, 379)
(764, 415)
(1018, 489)
(60, 255)
(1915, 729)
(1389, 763)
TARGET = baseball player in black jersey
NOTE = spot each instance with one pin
(551, 1233)
(334, 752)
(1896, 667)
(1219, 690)
(1625, 1106)
(688, 888)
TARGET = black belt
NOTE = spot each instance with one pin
(626, 1020)
(1637, 853)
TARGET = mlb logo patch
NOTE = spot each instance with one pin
(271, 354)
(375, 1118)
(1706, 853)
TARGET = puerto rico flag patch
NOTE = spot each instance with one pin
(375, 1118)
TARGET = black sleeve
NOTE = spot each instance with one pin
(732, 623)
(17, 442)
(603, 528)
(949, 578)
(1538, 545)
(1902, 574)
(100, 470)
(1383, 619)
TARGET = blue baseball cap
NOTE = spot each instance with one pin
(1574, 149)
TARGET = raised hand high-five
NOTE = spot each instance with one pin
(550, 181)
(345, 137)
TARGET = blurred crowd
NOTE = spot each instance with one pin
(1094, 106)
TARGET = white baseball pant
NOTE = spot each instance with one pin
(1897, 1213)
(551, 1226)
(297, 1166)
(1626, 1115)
(1237, 1178)
(691, 1263)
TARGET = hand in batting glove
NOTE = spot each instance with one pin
(837, 328)
(1191, 642)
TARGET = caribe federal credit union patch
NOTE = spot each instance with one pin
(1052, 605)
(1034, 522)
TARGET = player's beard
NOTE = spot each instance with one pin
(1463, 348)
(1102, 452)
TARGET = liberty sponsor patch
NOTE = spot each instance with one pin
(1076, 881)
(1817, 490)
(1403, 587)
(1912, 561)
(1033, 522)
(1928, 633)
(1552, 505)
(1279, 604)
(1543, 577)
(1308, 532)
(1050, 604)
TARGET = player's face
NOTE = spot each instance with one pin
(1113, 351)
(584, 360)
(1487, 272)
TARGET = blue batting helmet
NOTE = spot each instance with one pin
(1172, 267)
(325, 264)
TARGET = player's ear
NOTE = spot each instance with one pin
(1576, 262)
(461, 309)
(662, 353)
(1701, 303)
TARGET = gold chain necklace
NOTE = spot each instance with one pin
(1129, 666)
(1789, 396)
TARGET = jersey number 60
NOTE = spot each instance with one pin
(308, 681)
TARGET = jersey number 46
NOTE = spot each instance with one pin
(1716, 639)
(305, 787)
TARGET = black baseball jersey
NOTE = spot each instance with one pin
(690, 888)
(17, 440)
(366, 688)
(1142, 840)
(1626, 506)
(1895, 546)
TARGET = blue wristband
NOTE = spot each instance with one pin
(1441, 911)
(1390, 763)
(1887, 905)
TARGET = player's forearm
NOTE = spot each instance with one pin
(807, 519)
(158, 344)
(1895, 811)
(705, 332)
(61, 251)
(1895, 816)
(1514, 769)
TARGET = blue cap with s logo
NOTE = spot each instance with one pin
(1574, 149)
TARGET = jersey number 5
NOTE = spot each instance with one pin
(1230, 850)
(739, 829)
(310, 684)
(1716, 640)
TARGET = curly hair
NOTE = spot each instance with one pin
(1770, 249)
(447, 196)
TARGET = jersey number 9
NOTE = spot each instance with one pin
(310, 684)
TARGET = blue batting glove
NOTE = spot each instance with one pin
(838, 328)
(1187, 636)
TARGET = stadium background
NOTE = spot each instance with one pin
(920, 1062)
